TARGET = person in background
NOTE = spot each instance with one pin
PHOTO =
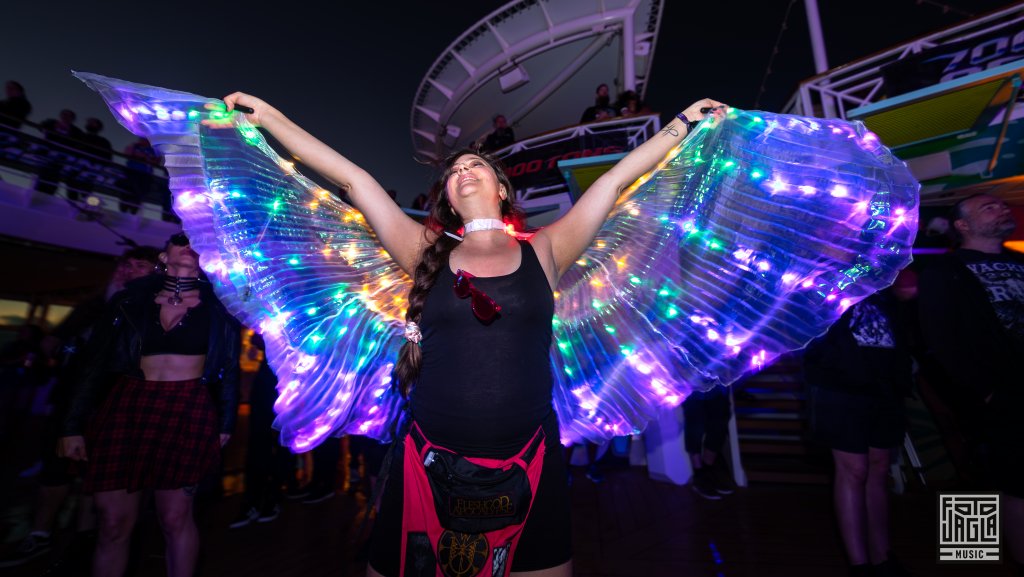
(705, 427)
(501, 136)
(99, 146)
(15, 108)
(602, 108)
(67, 138)
(156, 401)
(859, 374)
(57, 475)
(268, 464)
(972, 318)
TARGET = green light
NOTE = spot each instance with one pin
(756, 174)
(625, 350)
(276, 206)
(729, 164)
(311, 311)
(251, 135)
(342, 331)
(293, 261)
(635, 280)
(257, 254)
(236, 194)
(672, 312)
(316, 338)
(610, 329)
(663, 293)
(568, 371)
(193, 114)
(563, 345)
(596, 304)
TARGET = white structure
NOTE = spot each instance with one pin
(537, 62)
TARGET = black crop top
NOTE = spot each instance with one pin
(485, 388)
(191, 336)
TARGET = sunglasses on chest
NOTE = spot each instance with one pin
(483, 306)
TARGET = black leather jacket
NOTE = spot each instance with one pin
(115, 348)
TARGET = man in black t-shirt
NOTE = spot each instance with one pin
(972, 318)
(500, 137)
(602, 108)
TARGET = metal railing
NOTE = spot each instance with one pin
(833, 93)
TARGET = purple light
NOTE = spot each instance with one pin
(777, 185)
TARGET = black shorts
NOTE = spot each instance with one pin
(546, 540)
(854, 423)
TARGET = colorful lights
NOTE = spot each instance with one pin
(839, 191)
(729, 255)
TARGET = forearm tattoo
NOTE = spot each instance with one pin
(670, 131)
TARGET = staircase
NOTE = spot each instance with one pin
(771, 421)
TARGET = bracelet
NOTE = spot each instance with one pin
(690, 124)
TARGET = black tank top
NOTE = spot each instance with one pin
(485, 388)
(191, 336)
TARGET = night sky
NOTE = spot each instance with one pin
(347, 71)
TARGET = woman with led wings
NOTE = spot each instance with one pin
(723, 241)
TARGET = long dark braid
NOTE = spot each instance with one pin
(441, 219)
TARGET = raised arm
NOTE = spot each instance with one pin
(401, 236)
(569, 236)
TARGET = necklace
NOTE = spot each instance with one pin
(177, 285)
(482, 224)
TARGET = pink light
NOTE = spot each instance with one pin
(844, 304)
(764, 266)
(712, 335)
(186, 199)
(830, 298)
(862, 205)
(807, 283)
(807, 189)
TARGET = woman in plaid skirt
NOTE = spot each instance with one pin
(154, 405)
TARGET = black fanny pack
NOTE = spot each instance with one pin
(472, 498)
